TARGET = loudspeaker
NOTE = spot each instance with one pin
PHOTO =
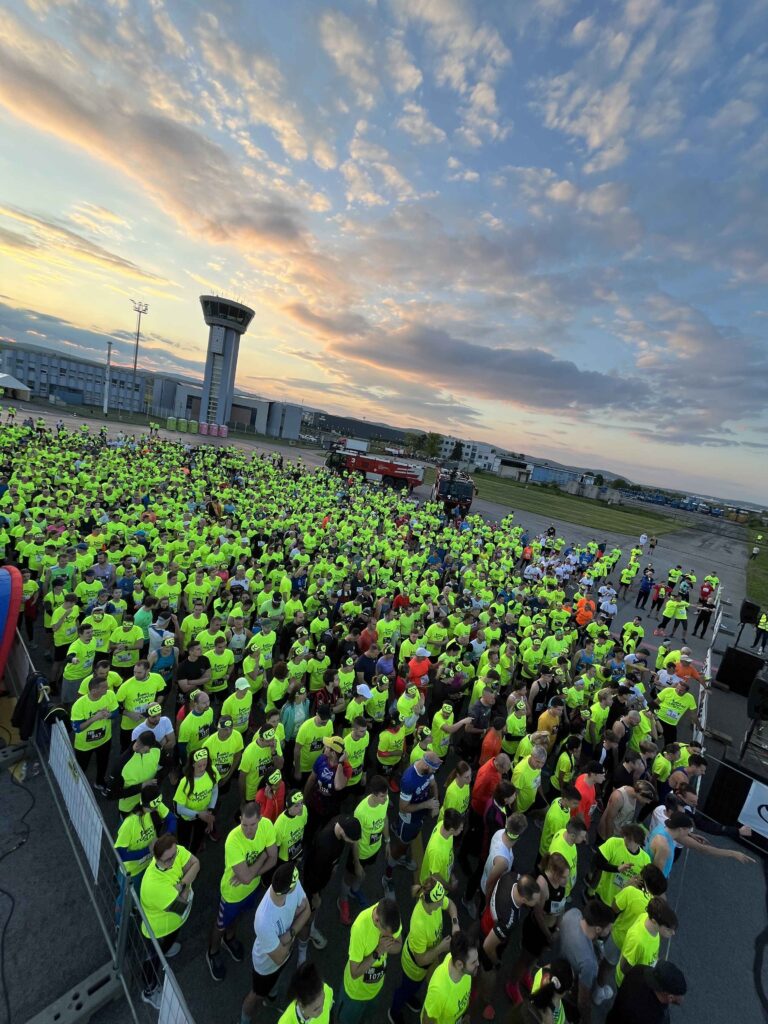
(738, 669)
(750, 613)
(757, 698)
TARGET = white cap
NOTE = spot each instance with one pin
(363, 690)
(242, 684)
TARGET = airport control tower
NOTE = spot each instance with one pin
(227, 320)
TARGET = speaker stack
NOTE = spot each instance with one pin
(738, 670)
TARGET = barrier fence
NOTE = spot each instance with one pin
(135, 962)
(702, 711)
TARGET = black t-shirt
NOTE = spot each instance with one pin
(636, 1002)
(193, 670)
(322, 855)
(505, 911)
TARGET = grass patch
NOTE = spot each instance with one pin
(548, 502)
(757, 569)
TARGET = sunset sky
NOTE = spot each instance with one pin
(540, 224)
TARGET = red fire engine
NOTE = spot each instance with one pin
(376, 468)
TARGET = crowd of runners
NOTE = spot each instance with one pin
(477, 739)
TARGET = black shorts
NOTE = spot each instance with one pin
(533, 940)
(263, 984)
(365, 862)
(60, 652)
(485, 961)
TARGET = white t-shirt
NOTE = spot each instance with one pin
(160, 731)
(269, 924)
(498, 848)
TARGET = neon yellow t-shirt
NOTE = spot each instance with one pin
(438, 856)
(640, 947)
(239, 849)
(372, 826)
(289, 834)
(364, 938)
(158, 892)
(424, 933)
(99, 732)
(447, 1000)
(291, 1015)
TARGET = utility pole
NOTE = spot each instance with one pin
(140, 308)
(106, 378)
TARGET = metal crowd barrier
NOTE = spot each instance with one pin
(704, 691)
(116, 904)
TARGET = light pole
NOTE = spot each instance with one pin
(106, 378)
(140, 308)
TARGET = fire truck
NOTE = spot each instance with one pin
(454, 489)
(376, 468)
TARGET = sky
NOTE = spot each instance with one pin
(542, 225)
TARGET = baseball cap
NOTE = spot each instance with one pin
(363, 690)
(225, 722)
(335, 743)
(422, 652)
(275, 778)
(170, 641)
(667, 977)
(154, 709)
(242, 684)
(685, 657)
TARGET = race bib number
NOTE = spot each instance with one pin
(374, 974)
(557, 906)
(93, 735)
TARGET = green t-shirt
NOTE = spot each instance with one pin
(136, 832)
(447, 1000)
(195, 728)
(425, 932)
(136, 695)
(364, 938)
(197, 795)
(615, 852)
(372, 826)
(631, 902)
(640, 947)
(292, 1016)
(127, 657)
(223, 752)
(438, 856)
(310, 738)
(138, 769)
(158, 893)
(356, 757)
(239, 849)
(289, 834)
(98, 733)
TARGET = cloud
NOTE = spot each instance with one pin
(406, 76)
(63, 244)
(527, 376)
(414, 121)
(469, 57)
(332, 326)
(352, 54)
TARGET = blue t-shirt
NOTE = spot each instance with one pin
(414, 789)
(325, 776)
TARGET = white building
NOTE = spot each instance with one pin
(475, 454)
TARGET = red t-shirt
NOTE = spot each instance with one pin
(487, 779)
(491, 746)
(271, 807)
